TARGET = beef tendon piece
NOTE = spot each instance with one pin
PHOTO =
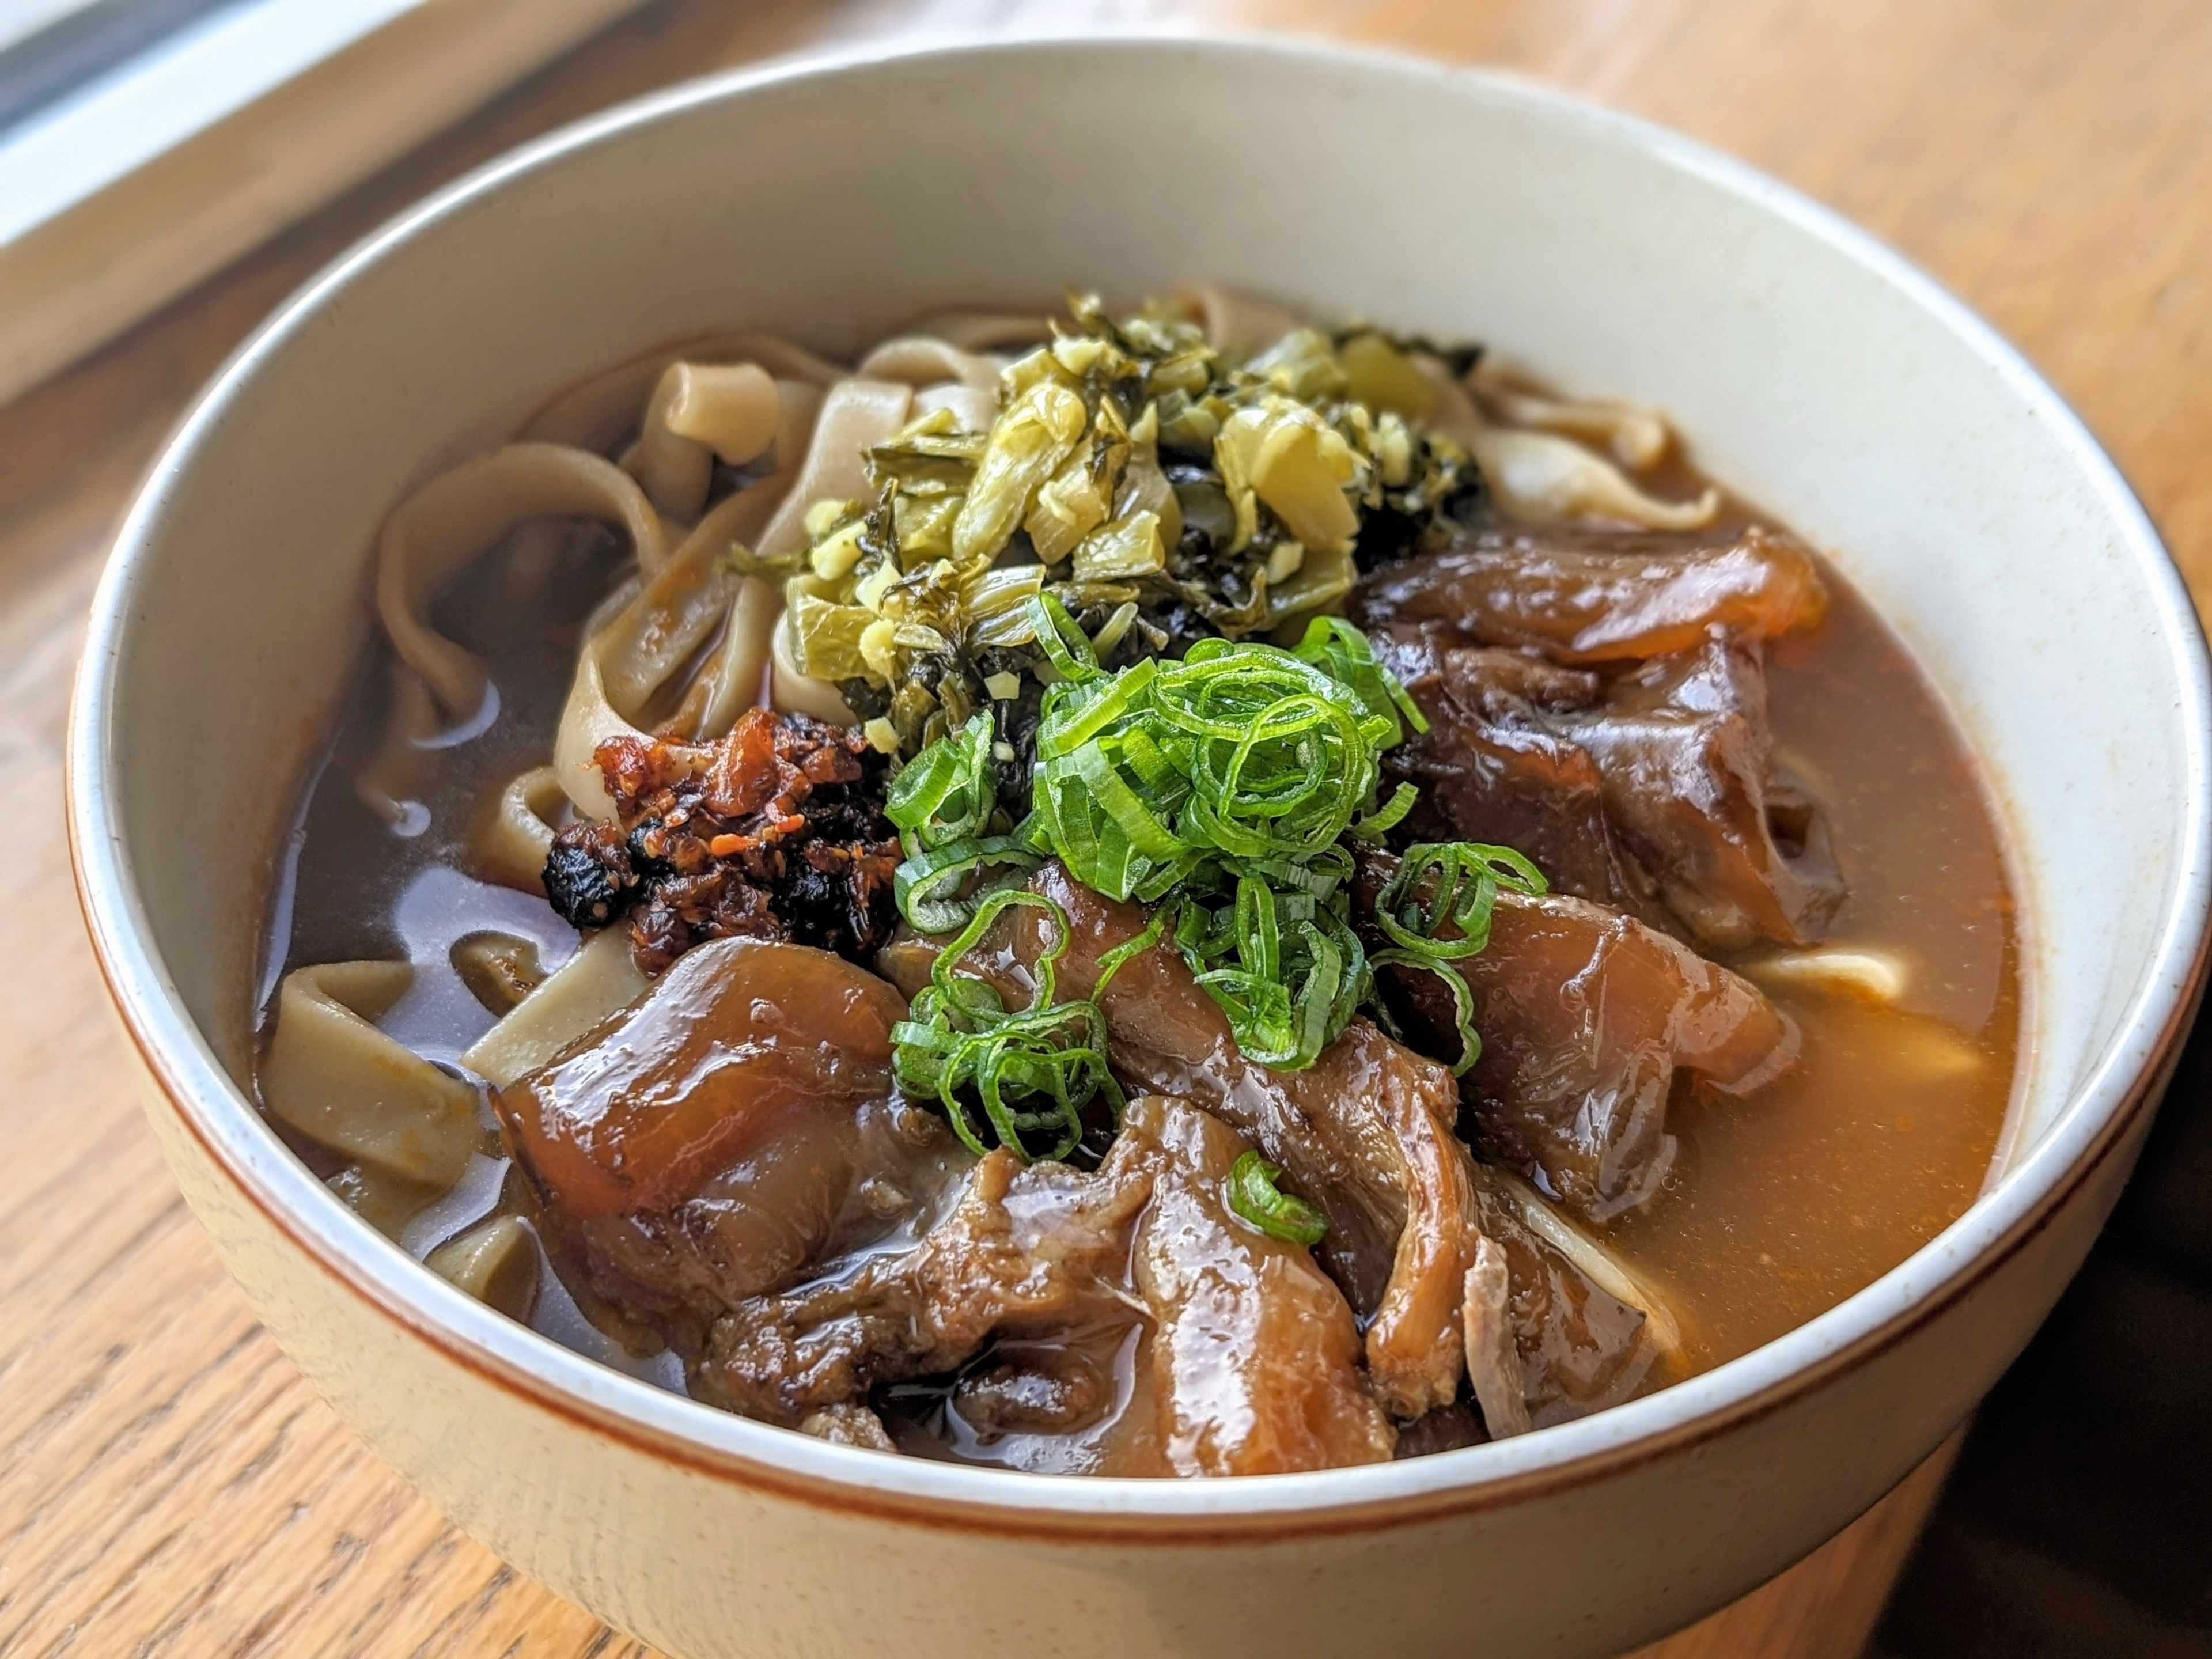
(1585, 1016)
(705, 1146)
(1365, 1132)
(775, 831)
(1248, 1355)
(1254, 1357)
(1655, 791)
(1581, 595)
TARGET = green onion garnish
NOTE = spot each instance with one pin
(1219, 789)
(1451, 883)
(1454, 884)
(940, 802)
(946, 795)
(1253, 1194)
(1335, 645)
(1240, 751)
(1033, 1069)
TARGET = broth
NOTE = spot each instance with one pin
(1778, 1208)
(1778, 1205)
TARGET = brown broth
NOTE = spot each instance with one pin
(1782, 1204)
(1778, 1207)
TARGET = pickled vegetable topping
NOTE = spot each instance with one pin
(1158, 490)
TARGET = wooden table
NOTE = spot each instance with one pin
(169, 1485)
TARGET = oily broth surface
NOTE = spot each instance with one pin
(1779, 1205)
(1782, 1204)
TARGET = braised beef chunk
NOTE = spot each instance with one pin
(708, 1144)
(1585, 1016)
(1655, 791)
(1588, 1334)
(1027, 1247)
(1054, 1386)
(1247, 1356)
(775, 831)
(1252, 1359)
(1499, 765)
(1686, 753)
(1582, 595)
(1365, 1132)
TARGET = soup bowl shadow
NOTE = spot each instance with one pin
(1808, 366)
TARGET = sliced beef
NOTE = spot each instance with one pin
(1252, 1357)
(1365, 1132)
(1686, 754)
(1581, 595)
(1247, 1356)
(1026, 1250)
(1500, 763)
(1585, 1016)
(1587, 1333)
(707, 1145)
(1654, 791)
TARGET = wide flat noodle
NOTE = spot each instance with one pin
(856, 416)
(918, 360)
(443, 527)
(634, 658)
(973, 409)
(599, 982)
(1638, 437)
(700, 411)
(606, 411)
(332, 1076)
(512, 842)
(983, 331)
(1236, 323)
(1537, 477)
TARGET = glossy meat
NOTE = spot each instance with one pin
(1498, 765)
(706, 1145)
(1027, 1249)
(1584, 595)
(1364, 1133)
(1247, 1356)
(1585, 1016)
(1581, 1345)
(1686, 754)
(1252, 1359)
(1655, 793)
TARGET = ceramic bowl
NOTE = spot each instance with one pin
(1815, 371)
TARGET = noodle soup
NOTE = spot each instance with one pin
(1181, 893)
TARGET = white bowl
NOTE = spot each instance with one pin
(1811, 368)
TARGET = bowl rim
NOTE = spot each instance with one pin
(193, 1086)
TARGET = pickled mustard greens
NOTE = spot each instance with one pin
(1158, 490)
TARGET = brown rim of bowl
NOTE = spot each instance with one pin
(848, 1488)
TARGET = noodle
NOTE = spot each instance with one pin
(453, 521)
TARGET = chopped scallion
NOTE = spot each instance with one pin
(1254, 1195)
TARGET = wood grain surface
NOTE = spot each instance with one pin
(168, 1484)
